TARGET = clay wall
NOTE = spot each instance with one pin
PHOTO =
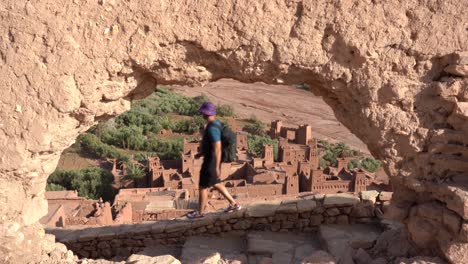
(288, 133)
(241, 141)
(252, 191)
(275, 128)
(303, 134)
(293, 154)
(329, 187)
(191, 147)
(57, 218)
(268, 155)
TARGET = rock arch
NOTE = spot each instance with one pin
(66, 64)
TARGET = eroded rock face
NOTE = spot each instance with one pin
(394, 74)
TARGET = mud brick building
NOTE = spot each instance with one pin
(66, 208)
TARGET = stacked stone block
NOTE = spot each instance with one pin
(305, 214)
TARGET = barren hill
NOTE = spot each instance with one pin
(293, 105)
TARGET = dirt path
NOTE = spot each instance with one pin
(269, 102)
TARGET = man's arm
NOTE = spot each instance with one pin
(217, 152)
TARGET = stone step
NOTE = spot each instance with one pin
(287, 247)
(339, 239)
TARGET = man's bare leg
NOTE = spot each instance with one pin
(222, 189)
(202, 199)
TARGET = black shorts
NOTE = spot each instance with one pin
(208, 176)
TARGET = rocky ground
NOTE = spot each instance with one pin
(293, 105)
(343, 244)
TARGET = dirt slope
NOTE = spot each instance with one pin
(294, 106)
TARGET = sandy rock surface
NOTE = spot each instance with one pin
(381, 66)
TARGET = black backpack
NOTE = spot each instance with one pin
(228, 143)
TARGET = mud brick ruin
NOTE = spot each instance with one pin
(170, 189)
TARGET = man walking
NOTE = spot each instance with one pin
(210, 172)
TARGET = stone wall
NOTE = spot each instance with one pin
(296, 214)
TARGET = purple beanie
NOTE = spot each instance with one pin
(207, 108)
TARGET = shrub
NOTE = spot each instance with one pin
(165, 149)
(128, 137)
(91, 182)
(256, 143)
(190, 126)
(371, 164)
(165, 101)
(225, 110)
(92, 144)
(355, 163)
(146, 121)
(54, 187)
(256, 127)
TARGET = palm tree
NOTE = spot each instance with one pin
(134, 171)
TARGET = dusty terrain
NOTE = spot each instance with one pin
(295, 106)
(394, 72)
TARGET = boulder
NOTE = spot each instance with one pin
(362, 257)
(455, 252)
(316, 220)
(306, 205)
(385, 196)
(419, 260)
(342, 220)
(338, 238)
(242, 225)
(262, 209)
(260, 244)
(363, 210)
(340, 200)
(177, 226)
(213, 259)
(143, 259)
(396, 212)
(422, 232)
(265, 260)
(332, 212)
(458, 70)
(282, 257)
(287, 208)
(369, 195)
(459, 57)
(319, 257)
(451, 221)
(393, 242)
(463, 236)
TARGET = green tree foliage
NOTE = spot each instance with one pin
(92, 144)
(369, 164)
(164, 101)
(190, 126)
(149, 123)
(354, 163)
(334, 151)
(54, 187)
(142, 158)
(256, 143)
(135, 171)
(92, 182)
(170, 149)
(255, 127)
(127, 137)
